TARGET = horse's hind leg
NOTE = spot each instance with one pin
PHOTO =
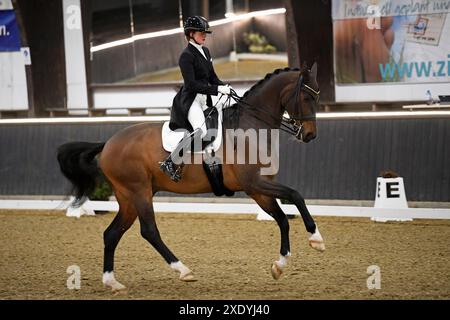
(149, 231)
(111, 237)
(270, 205)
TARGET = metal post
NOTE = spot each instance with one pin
(180, 12)
(130, 4)
(229, 6)
(230, 13)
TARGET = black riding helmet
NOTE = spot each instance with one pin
(196, 23)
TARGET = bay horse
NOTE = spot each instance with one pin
(129, 161)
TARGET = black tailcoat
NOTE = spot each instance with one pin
(199, 77)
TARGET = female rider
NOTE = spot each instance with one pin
(200, 82)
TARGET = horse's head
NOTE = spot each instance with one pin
(301, 101)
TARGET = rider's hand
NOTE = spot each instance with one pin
(231, 88)
(224, 89)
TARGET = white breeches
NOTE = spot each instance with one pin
(195, 115)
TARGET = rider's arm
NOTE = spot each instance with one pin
(186, 64)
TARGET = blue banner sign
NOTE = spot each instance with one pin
(9, 32)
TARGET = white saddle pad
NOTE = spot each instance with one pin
(170, 139)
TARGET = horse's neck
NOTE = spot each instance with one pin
(268, 100)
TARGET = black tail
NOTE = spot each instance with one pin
(77, 163)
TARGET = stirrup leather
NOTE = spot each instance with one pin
(170, 169)
(168, 166)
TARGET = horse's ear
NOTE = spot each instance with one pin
(313, 71)
(304, 66)
(304, 71)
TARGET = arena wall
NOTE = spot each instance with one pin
(342, 163)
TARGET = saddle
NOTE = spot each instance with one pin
(170, 138)
(210, 144)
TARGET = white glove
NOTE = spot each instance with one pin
(231, 88)
(224, 90)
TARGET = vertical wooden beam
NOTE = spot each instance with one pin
(291, 36)
(205, 9)
(313, 25)
(86, 16)
(28, 73)
(43, 25)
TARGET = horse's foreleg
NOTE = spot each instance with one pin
(277, 190)
(149, 231)
(315, 240)
(270, 205)
(111, 237)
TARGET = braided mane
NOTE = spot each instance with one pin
(267, 77)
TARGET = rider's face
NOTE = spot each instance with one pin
(199, 37)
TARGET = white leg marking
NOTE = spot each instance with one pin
(110, 281)
(185, 272)
(316, 241)
(282, 262)
(278, 266)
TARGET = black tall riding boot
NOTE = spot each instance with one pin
(168, 166)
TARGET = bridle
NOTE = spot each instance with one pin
(288, 124)
(292, 120)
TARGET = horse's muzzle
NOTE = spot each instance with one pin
(306, 131)
(305, 136)
(309, 137)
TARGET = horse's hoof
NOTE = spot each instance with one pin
(276, 271)
(119, 291)
(188, 277)
(316, 241)
(117, 288)
(318, 245)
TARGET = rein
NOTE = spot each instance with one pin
(287, 125)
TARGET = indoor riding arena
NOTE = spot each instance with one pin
(355, 95)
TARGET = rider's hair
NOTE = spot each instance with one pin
(187, 34)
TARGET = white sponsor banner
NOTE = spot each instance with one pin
(13, 82)
(389, 93)
(354, 9)
(400, 54)
(6, 5)
(26, 54)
